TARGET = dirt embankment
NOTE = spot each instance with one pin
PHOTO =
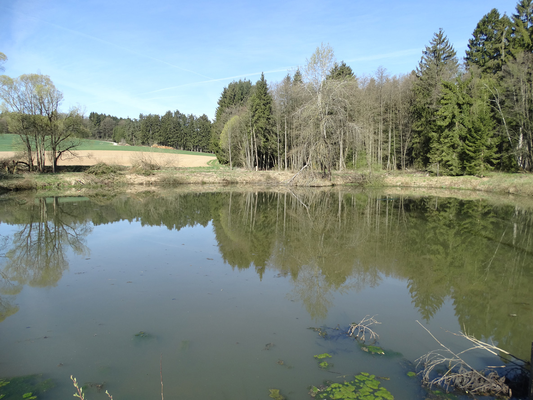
(127, 158)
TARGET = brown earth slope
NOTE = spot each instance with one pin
(128, 158)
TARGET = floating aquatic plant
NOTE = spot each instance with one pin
(364, 386)
(322, 356)
(373, 350)
(24, 387)
(324, 364)
(275, 394)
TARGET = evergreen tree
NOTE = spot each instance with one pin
(465, 143)
(341, 72)
(164, 137)
(489, 48)
(523, 27)
(297, 79)
(480, 145)
(438, 63)
(446, 142)
(262, 125)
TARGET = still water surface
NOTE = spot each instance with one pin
(225, 285)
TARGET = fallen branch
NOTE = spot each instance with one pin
(298, 173)
(459, 374)
(362, 329)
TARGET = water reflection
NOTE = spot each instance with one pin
(475, 254)
(36, 254)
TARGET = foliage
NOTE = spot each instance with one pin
(101, 169)
(490, 47)
(322, 356)
(32, 104)
(438, 63)
(262, 125)
(364, 386)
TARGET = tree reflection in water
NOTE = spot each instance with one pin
(473, 254)
(37, 253)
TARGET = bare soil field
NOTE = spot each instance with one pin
(128, 158)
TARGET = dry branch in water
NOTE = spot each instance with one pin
(459, 374)
(362, 329)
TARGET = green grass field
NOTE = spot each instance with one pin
(8, 142)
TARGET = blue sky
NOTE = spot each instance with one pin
(129, 57)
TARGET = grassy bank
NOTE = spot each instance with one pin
(215, 174)
(11, 142)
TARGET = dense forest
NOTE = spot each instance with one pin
(174, 129)
(449, 116)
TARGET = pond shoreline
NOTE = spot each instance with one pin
(520, 184)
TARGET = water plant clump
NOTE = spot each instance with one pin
(322, 356)
(24, 387)
(275, 394)
(363, 386)
(373, 349)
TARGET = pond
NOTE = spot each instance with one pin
(212, 293)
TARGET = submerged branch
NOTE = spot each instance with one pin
(362, 329)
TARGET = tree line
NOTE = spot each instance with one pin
(447, 116)
(173, 129)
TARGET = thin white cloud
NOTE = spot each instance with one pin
(106, 42)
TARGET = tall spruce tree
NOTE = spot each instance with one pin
(489, 48)
(480, 144)
(438, 63)
(262, 125)
(464, 144)
(447, 142)
(523, 27)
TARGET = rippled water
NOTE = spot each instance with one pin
(215, 292)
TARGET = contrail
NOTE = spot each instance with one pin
(107, 43)
(217, 80)
(385, 55)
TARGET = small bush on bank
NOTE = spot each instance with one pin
(103, 169)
